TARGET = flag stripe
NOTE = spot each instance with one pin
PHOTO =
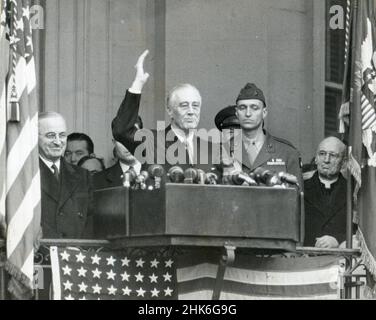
(253, 277)
(23, 217)
(267, 277)
(22, 182)
(232, 296)
(21, 150)
(56, 289)
(244, 261)
(207, 295)
(260, 290)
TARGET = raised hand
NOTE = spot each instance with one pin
(141, 75)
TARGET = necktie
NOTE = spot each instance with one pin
(189, 150)
(251, 151)
(55, 171)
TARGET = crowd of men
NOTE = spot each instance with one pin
(70, 170)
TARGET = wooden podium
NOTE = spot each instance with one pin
(200, 215)
(192, 216)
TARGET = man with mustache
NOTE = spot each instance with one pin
(66, 189)
(178, 143)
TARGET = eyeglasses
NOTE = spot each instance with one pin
(332, 155)
(54, 135)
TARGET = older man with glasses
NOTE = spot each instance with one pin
(66, 189)
(325, 197)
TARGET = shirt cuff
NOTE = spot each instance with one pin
(136, 87)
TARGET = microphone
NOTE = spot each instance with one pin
(267, 177)
(141, 179)
(239, 178)
(190, 175)
(201, 176)
(156, 172)
(176, 174)
(288, 178)
(129, 177)
(211, 178)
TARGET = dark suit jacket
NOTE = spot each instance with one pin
(276, 154)
(110, 177)
(324, 217)
(162, 144)
(66, 207)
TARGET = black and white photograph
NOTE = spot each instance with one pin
(201, 151)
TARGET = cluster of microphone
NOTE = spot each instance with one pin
(193, 176)
(152, 178)
(146, 180)
(259, 177)
(262, 177)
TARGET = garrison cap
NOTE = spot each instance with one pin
(250, 91)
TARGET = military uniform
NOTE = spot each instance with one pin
(276, 155)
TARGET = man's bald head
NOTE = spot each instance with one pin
(333, 142)
(330, 157)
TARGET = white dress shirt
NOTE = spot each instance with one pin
(49, 163)
(136, 167)
(187, 141)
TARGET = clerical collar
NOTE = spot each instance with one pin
(327, 183)
(181, 134)
(136, 166)
(49, 163)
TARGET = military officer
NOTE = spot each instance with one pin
(253, 146)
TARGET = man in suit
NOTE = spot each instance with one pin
(178, 144)
(253, 146)
(325, 197)
(66, 189)
(113, 176)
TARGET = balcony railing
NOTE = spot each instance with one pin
(350, 280)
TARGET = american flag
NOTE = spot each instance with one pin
(189, 274)
(113, 275)
(20, 179)
(254, 277)
(359, 107)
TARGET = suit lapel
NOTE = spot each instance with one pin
(114, 174)
(313, 197)
(69, 181)
(169, 142)
(339, 193)
(49, 184)
(313, 193)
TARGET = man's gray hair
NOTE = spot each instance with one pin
(171, 97)
(49, 114)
